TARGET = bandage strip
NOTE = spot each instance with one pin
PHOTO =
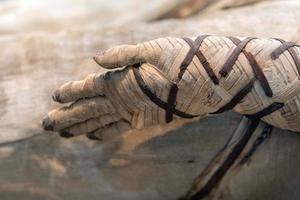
(287, 46)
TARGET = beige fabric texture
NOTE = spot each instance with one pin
(111, 103)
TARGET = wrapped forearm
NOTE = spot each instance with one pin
(172, 78)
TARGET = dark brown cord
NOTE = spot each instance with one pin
(266, 111)
(256, 69)
(282, 48)
(211, 74)
(188, 59)
(174, 88)
(171, 103)
(236, 99)
(194, 50)
(227, 67)
(276, 53)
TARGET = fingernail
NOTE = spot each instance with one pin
(66, 134)
(47, 124)
(96, 60)
(56, 96)
(92, 136)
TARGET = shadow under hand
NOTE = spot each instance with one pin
(164, 161)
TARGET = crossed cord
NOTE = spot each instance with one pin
(169, 106)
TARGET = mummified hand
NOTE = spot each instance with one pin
(173, 78)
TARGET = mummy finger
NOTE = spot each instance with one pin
(158, 52)
(77, 112)
(120, 56)
(90, 125)
(91, 86)
(110, 131)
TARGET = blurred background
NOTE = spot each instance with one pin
(48, 42)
